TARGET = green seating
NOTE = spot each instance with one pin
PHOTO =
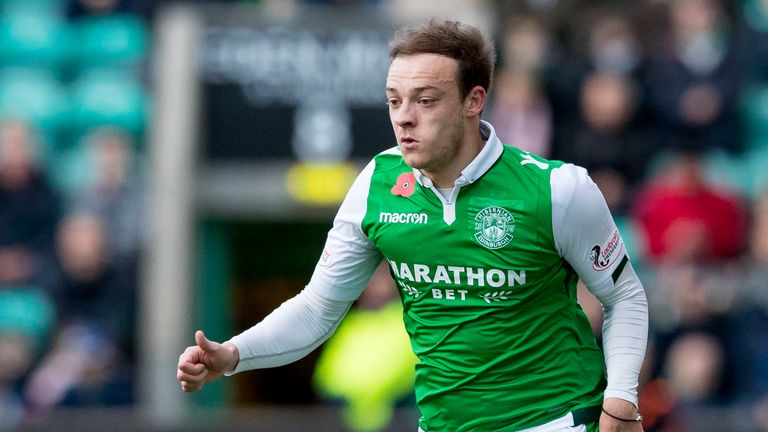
(35, 96)
(118, 40)
(33, 37)
(69, 169)
(755, 116)
(106, 97)
(744, 174)
(756, 174)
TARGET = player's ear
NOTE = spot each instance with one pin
(474, 103)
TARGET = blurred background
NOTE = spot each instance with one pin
(169, 166)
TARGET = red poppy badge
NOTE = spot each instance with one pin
(405, 185)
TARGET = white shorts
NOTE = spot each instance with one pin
(563, 424)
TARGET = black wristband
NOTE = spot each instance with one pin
(637, 418)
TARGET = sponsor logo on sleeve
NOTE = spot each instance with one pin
(325, 258)
(604, 255)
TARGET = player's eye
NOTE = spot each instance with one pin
(393, 103)
(426, 101)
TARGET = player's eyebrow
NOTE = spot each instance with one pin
(415, 90)
(418, 90)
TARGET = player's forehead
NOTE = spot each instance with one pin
(422, 71)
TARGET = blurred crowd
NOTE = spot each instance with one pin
(665, 102)
(71, 203)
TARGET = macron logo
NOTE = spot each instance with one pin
(403, 218)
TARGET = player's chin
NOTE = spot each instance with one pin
(413, 160)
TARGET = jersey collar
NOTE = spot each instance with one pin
(480, 164)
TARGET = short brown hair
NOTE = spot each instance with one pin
(461, 42)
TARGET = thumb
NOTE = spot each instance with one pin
(204, 343)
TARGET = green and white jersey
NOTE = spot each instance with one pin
(487, 275)
(489, 302)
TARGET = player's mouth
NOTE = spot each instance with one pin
(407, 142)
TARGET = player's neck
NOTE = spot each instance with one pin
(471, 146)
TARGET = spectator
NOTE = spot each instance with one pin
(694, 85)
(614, 47)
(114, 193)
(533, 76)
(29, 209)
(26, 319)
(87, 363)
(683, 219)
(751, 317)
(522, 112)
(690, 308)
(610, 46)
(755, 16)
(606, 139)
(694, 365)
(693, 369)
(527, 46)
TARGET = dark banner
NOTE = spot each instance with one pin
(309, 87)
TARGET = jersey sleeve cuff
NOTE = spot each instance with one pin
(621, 394)
(240, 363)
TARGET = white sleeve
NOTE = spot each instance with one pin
(587, 237)
(304, 322)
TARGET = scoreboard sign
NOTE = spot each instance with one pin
(307, 88)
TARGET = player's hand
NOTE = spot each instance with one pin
(205, 362)
(619, 408)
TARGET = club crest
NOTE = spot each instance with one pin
(494, 227)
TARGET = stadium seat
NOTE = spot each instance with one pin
(69, 169)
(628, 230)
(33, 36)
(744, 174)
(756, 176)
(56, 6)
(35, 96)
(118, 40)
(755, 116)
(725, 170)
(103, 97)
(28, 311)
